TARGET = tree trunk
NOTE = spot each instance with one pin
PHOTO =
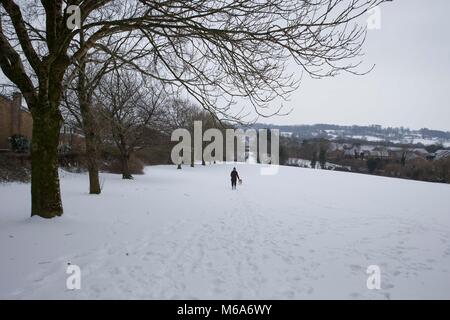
(91, 148)
(45, 190)
(125, 167)
(88, 126)
(91, 157)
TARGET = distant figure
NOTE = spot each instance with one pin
(234, 176)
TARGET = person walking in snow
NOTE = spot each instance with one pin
(234, 177)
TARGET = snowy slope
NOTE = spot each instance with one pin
(171, 233)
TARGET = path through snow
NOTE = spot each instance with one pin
(184, 234)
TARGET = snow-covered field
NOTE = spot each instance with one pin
(170, 233)
(425, 142)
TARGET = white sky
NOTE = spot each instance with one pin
(410, 85)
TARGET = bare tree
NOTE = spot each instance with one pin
(80, 85)
(182, 113)
(132, 106)
(215, 50)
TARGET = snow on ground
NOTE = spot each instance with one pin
(369, 138)
(170, 233)
(307, 164)
(425, 142)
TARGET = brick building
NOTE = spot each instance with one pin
(71, 140)
(14, 119)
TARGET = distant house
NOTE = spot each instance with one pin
(409, 154)
(417, 153)
(421, 151)
(365, 151)
(14, 119)
(380, 152)
(412, 156)
(352, 152)
(441, 154)
(349, 153)
(286, 134)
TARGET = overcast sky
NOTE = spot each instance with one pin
(410, 85)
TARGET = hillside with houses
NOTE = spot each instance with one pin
(395, 152)
(368, 134)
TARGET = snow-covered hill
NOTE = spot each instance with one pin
(185, 234)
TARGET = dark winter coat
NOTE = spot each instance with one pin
(234, 175)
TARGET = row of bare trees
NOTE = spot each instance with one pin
(127, 110)
(216, 51)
